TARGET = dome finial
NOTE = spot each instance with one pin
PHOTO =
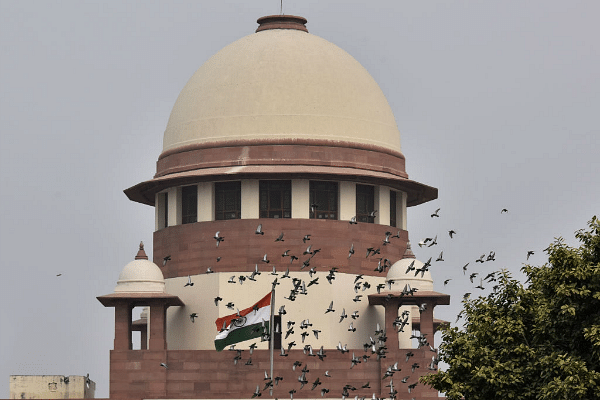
(281, 22)
(408, 253)
(141, 254)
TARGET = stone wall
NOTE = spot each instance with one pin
(205, 374)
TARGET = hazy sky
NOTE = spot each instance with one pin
(498, 104)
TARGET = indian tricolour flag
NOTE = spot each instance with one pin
(247, 325)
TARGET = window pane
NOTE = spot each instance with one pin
(392, 208)
(228, 197)
(166, 210)
(189, 204)
(264, 204)
(333, 201)
(323, 200)
(275, 199)
(230, 200)
(365, 201)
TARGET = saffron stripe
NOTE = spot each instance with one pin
(264, 302)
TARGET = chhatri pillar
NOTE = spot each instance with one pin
(409, 297)
(391, 301)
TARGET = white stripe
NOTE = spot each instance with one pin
(262, 314)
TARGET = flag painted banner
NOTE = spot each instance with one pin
(247, 325)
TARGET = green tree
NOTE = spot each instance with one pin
(537, 340)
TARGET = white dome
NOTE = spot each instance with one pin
(281, 84)
(398, 274)
(141, 276)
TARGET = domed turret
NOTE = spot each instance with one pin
(141, 276)
(416, 276)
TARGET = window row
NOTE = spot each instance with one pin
(275, 201)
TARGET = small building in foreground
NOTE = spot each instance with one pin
(51, 387)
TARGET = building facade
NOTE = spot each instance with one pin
(51, 387)
(281, 168)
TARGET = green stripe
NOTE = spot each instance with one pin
(240, 335)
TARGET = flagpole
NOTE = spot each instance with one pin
(272, 329)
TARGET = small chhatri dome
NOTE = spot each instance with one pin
(398, 273)
(141, 276)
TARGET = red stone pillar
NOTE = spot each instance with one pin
(144, 337)
(391, 313)
(158, 327)
(427, 323)
(123, 327)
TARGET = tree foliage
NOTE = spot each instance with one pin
(537, 340)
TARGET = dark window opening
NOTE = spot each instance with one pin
(365, 203)
(228, 200)
(392, 208)
(166, 209)
(189, 204)
(275, 199)
(323, 200)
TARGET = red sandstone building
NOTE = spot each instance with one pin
(285, 130)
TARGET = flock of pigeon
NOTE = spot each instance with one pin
(375, 346)
(467, 269)
(299, 286)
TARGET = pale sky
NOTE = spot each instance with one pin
(498, 105)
